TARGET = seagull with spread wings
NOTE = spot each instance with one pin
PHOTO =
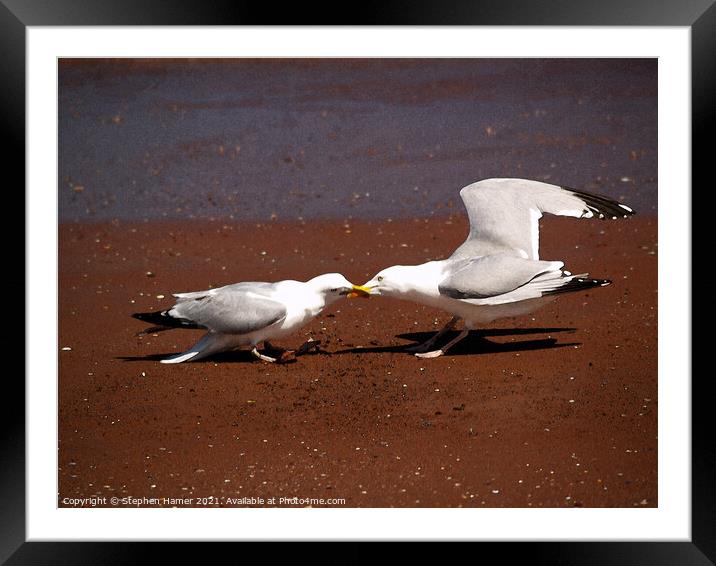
(497, 271)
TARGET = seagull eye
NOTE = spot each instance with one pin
(380, 277)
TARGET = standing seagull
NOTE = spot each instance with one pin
(248, 313)
(497, 272)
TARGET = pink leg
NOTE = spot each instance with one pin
(445, 348)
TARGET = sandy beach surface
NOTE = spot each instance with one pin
(554, 409)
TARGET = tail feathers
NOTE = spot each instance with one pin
(210, 343)
(162, 321)
(576, 283)
(179, 358)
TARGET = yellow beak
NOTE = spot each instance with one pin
(359, 291)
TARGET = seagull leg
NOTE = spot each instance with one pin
(260, 356)
(284, 356)
(309, 345)
(445, 348)
(425, 346)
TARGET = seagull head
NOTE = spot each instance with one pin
(393, 280)
(333, 286)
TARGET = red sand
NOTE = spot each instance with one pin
(538, 416)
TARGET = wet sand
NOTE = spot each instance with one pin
(330, 138)
(554, 409)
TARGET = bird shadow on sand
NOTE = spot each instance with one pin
(476, 342)
(233, 357)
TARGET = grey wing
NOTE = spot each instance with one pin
(504, 214)
(493, 275)
(235, 309)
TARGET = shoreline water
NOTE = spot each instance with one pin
(335, 137)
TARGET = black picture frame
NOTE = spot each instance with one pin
(17, 15)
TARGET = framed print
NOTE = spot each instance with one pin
(166, 159)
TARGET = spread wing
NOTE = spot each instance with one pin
(235, 309)
(492, 275)
(504, 214)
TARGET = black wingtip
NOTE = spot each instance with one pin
(603, 207)
(578, 284)
(164, 319)
(156, 317)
